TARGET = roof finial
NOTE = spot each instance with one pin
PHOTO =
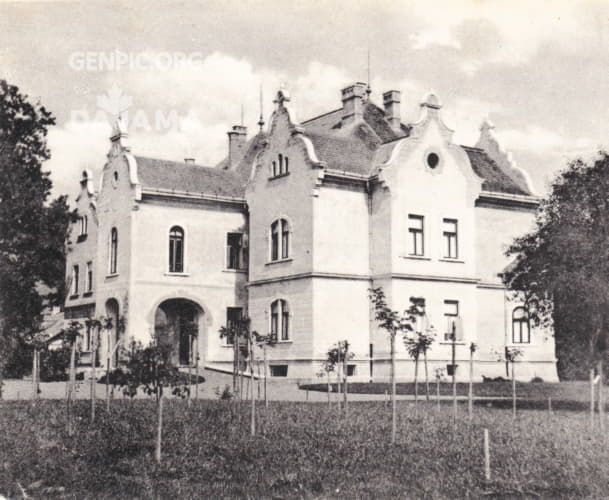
(261, 120)
(368, 89)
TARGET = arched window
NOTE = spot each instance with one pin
(280, 239)
(521, 328)
(285, 165)
(176, 250)
(280, 163)
(280, 320)
(113, 250)
(83, 225)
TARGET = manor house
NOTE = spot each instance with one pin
(295, 226)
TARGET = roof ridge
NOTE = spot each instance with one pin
(182, 163)
(320, 116)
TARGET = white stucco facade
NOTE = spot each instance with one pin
(325, 211)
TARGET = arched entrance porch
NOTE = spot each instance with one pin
(177, 323)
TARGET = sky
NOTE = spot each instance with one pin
(183, 72)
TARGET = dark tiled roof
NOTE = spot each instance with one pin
(495, 179)
(180, 176)
(351, 148)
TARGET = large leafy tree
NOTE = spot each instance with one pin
(562, 265)
(33, 227)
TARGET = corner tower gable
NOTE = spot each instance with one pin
(121, 165)
(427, 153)
(285, 135)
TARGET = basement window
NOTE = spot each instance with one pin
(279, 370)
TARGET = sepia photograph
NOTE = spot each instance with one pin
(305, 249)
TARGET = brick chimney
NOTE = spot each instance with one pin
(353, 102)
(237, 138)
(391, 102)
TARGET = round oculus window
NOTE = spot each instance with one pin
(432, 160)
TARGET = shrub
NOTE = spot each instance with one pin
(536, 380)
(55, 364)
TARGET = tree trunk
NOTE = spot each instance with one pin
(591, 399)
(159, 425)
(438, 392)
(71, 386)
(345, 383)
(108, 357)
(234, 364)
(393, 389)
(338, 387)
(93, 380)
(470, 395)
(253, 415)
(197, 367)
(416, 381)
(328, 379)
(426, 376)
(513, 388)
(189, 402)
(601, 398)
(453, 359)
(266, 371)
(35, 374)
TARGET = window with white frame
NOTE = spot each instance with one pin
(280, 320)
(176, 250)
(112, 267)
(416, 235)
(236, 252)
(89, 277)
(280, 240)
(521, 326)
(452, 321)
(75, 277)
(449, 232)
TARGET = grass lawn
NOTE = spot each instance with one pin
(303, 450)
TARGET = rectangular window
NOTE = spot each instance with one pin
(233, 315)
(451, 320)
(75, 276)
(279, 370)
(235, 251)
(450, 238)
(89, 278)
(416, 235)
(285, 321)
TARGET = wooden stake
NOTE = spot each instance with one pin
(591, 399)
(470, 403)
(438, 392)
(513, 389)
(487, 457)
(601, 398)
(159, 427)
(550, 405)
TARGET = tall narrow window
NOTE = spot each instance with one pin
(280, 239)
(176, 250)
(235, 252)
(451, 320)
(521, 331)
(75, 277)
(113, 250)
(84, 222)
(275, 240)
(416, 235)
(285, 165)
(274, 168)
(233, 316)
(285, 239)
(280, 164)
(89, 277)
(450, 239)
(280, 320)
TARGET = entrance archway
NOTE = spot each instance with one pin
(114, 333)
(176, 323)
